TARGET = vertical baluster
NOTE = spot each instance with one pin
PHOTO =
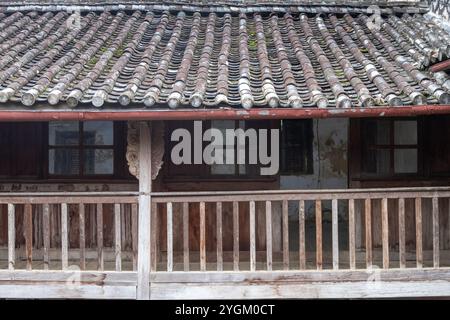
(219, 236)
(46, 231)
(252, 236)
(154, 238)
(186, 236)
(11, 237)
(118, 237)
(435, 219)
(202, 237)
(235, 236)
(351, 233)
(82, 231)
(28, 228)
(134, 234)
(319, 234)
(368, 220)
(385, 232)
(285, 217)
(334, 233)
(301, 235)
(169, 237)
(269, 235)
(401, 232)
(64, 237)
(100, 252)
(419, 246)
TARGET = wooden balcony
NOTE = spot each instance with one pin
(255, 244)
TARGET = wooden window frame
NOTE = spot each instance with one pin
(207, 176)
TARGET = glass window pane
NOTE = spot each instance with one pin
(63, 133)
(98, 161)
(383, 132)
(383, 161)
(405, 132)
(405, 160)
(98, 133)
(63, 161)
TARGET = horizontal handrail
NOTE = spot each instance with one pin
(68, 197)
(273, 195)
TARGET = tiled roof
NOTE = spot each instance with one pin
(161, 59)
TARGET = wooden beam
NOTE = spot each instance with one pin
(145, 205)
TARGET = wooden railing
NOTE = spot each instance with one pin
(49, 231)
(323, 229)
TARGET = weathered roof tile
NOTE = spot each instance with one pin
(161, 59)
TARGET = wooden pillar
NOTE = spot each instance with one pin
(145, 181)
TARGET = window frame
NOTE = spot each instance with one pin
(308, 146)
(118, 149)
(204, 173)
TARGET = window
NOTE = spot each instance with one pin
(81, 148)
(390, 147)
(297, 147)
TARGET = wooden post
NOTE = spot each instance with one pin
(219, 236)
(385, 232)
(419, 248)
(28, 232)
(435, 219)
(401, 232)
(236, 236)
(169, 220)
(351, 233)
(100, 251)
(144, 221)
(81, 214)
(285, 216)
(368, 220)
(11, 237)
(252, 237)
(319, 234)
(334, 233)
(118, 237)
(64, 237)
(186, 236)
(46, 227)
(301, 235)
(202, 237)
(269, 235)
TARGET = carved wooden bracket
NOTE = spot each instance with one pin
(157, 136)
